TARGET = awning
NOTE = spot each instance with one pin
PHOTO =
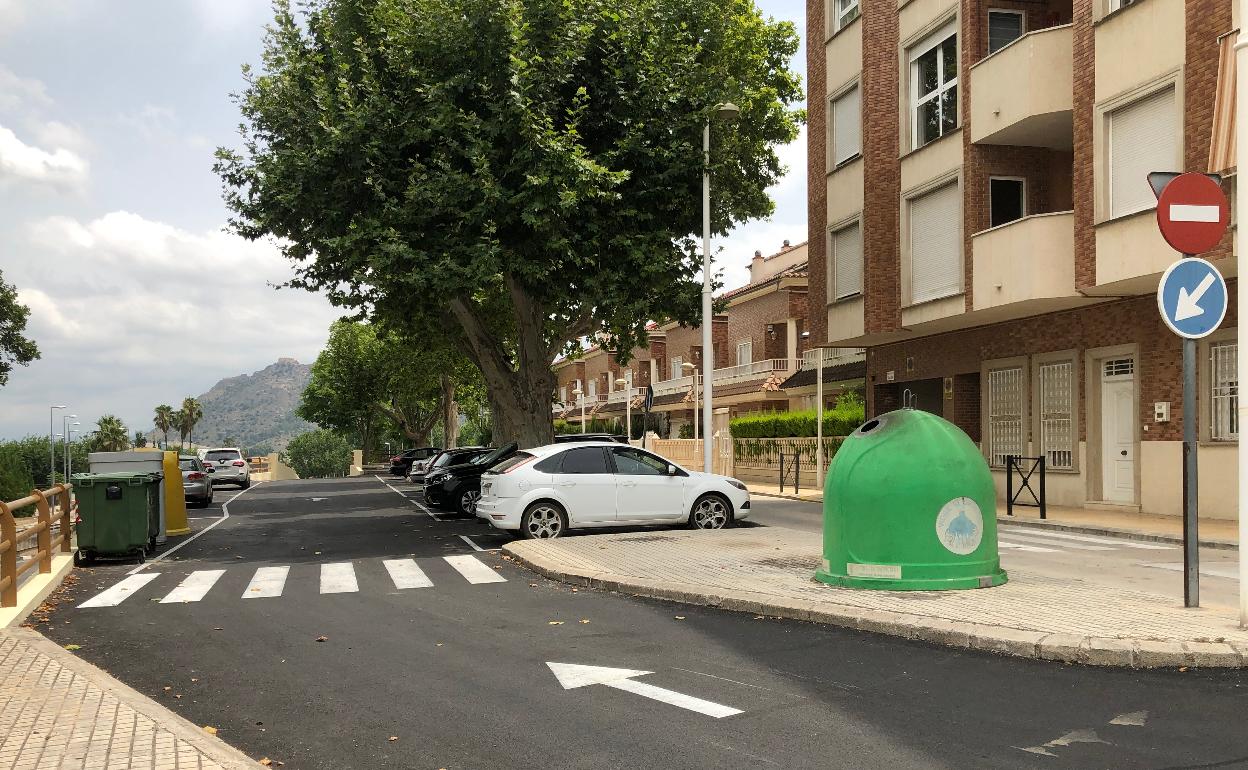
(1222, 142)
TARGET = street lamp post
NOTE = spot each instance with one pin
(69, 459)
(65, 445)
(579, 397)
(627, 382)
(52, 444)
(726, 111)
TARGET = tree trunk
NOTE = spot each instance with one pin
(450, 413)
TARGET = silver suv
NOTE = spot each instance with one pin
(228, 466)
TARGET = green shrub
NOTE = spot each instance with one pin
(319, 454)
(16, 480)
(686, 430)
(844, 419)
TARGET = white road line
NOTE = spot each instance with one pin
(468, 540)
(1028, 548)
(120, 592)
(1076, 546)
(406, 574)
(267, 582)
(473, 570)
(1229, 572)
(195, 587)
(338, 578)
(664, 695)
(428, 512)
(225, 514)
(1100, 540)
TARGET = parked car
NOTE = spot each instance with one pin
(566, 438)
(196, 481)
(459, 486)
(228, 466)
(401, 464)
(545, 491)
(447, 457)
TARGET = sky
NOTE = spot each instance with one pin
(112, 225)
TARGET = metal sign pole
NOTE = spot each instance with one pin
(1241, 207)
(1191, 487)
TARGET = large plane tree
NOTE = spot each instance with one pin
(522, 173)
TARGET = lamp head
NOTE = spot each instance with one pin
(689, 366)
(727, 111)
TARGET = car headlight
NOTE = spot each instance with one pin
(437, 478)
(739, 485)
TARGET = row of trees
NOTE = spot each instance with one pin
(506, 178)
(183, 420)
(24, 462)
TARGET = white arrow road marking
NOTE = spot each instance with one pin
(1187, 212)
(120, 592)
(1189, 304)
(1134, 719)
(572, 675)
(1074, 736)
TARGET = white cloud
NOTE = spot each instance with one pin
(23, 162)
(129, 312)
(151, 121)
(229, 14)
(54, 133)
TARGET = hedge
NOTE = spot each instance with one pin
(841, 421)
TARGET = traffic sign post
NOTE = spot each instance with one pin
(649, 403)
(1192, 214)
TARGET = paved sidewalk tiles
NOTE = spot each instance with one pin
(58, 711)
(769, 570)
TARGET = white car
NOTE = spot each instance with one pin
(228, 466)
(544, 492)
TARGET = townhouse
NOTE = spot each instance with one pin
(981, 223)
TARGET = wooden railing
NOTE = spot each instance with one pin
(10, 569)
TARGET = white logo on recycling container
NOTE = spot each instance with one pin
(960, 526)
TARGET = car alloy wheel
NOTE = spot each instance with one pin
(543, 522)
(468, 502)
(710, 512)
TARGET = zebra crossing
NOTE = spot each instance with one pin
(1045, 541)
(271, 582)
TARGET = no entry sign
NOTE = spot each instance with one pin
(1193, 213)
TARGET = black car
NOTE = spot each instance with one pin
(459, 486)
(564, 438)
(447, 457)
(400, 464)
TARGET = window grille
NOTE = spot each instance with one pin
(1120, 367)
(1057, 440)
(1224, 400)
(1005, 414)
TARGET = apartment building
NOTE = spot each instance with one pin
(981, 223)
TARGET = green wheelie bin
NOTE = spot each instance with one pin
(120, 514)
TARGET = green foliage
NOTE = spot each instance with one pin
(140, 440)
(686, 430)
(188, 417)
(163, 420)
(518, 175)
(110, 435)
(477, 429)
(841, 421)
(15, 348)
(16, 480)
(319, 454)
(613, 426)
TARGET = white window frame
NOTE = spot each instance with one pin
(1002, 417)
(844, 15)
(593, 389)
(677, 367)
(837, 156)
(1056, 412)
(1022, 25)
(1118, 5)
(838, 294)
(748, 344)
(934, 40)
(563, 394)
(1223, 391)
(1022, 193)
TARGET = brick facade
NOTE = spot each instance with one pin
(816, 165)
(880, 147)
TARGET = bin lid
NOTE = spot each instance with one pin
(87, 479)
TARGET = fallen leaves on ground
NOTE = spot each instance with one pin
(679, 617)
(210, 730)
(554, 622)
(393, 738)
(167, 689)
(584, 621)
(266, 762)
(322, 638)
(72, 647)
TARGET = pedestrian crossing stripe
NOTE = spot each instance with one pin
(270, 582)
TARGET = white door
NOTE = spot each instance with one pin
(586, 485)
(644, 491)
(1118, 430)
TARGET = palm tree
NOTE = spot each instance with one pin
(176, 422)
(111, 434)
(164, 420)
(192, 412)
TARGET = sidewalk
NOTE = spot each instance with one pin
(1214, 533)
(58, 711)
(769, 571)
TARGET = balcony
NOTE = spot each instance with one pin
(1021, 95)
(1026, 265)
(822, 358)
(752, 371)
(676, 385)
(623, 394)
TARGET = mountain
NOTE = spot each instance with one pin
(254, 410)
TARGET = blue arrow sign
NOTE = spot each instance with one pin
(1192, 298)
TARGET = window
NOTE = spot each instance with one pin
(1004, 27)
(846, 261)
(935, 247)
(516, 460)
(1115, 5)
(1224, 398)
(934, 86)
(1057, 441)
(1142, 138)
(678, 364)
(634, 462)
(583, 460)
(745, 352)
(1006, 200)
(563, 394)
(1005, 414)
(846, 126)
(846, 11)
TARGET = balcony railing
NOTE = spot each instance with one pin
(755, 369)
(622, 395)
(676, 385)
(820, 358)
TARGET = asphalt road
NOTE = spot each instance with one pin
(456, 671)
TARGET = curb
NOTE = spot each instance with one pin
(1003, 640)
